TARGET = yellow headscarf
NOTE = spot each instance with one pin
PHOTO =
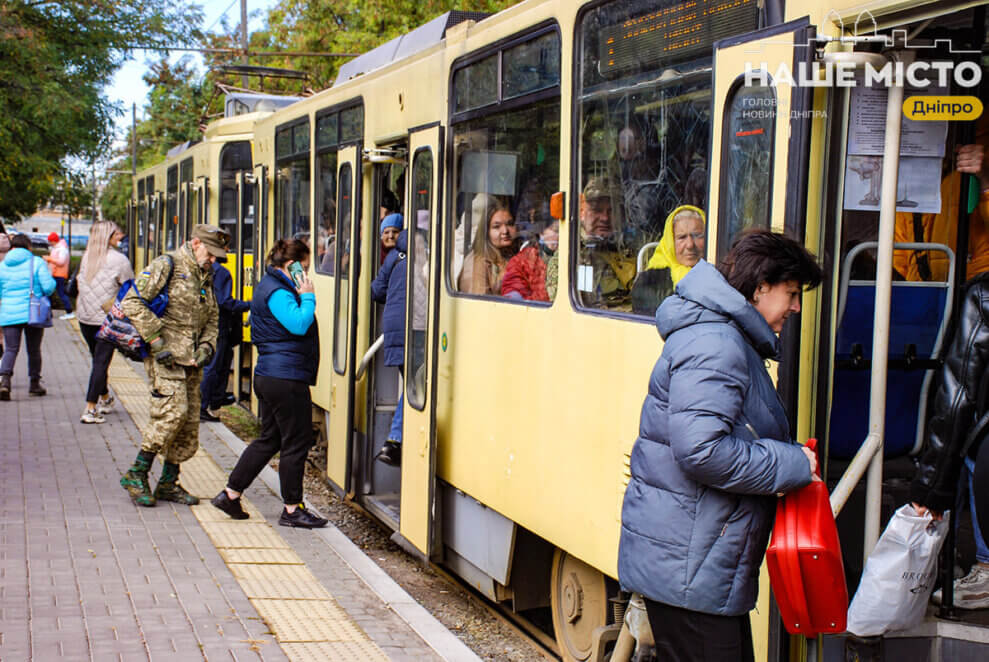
(664, 257)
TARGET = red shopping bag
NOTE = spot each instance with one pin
(805, 567)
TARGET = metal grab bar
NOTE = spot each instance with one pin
(371, 351)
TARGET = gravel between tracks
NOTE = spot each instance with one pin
(463, 614)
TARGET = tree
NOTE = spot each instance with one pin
(55, 59)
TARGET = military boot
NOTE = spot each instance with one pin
(168, 488)
(4, 387)
(36, 387)
(135, 481)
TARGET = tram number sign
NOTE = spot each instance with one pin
(674, 33)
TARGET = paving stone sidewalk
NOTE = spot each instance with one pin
(87, 575)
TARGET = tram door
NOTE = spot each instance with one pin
(261, 232)
(245, 279)
(341, 325)
(418, 424)
(758, 179)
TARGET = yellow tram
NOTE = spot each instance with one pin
(520, 413)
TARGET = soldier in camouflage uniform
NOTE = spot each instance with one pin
(181, 342)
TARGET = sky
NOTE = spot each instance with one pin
(128, 87)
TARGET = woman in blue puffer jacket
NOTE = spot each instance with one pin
(19, 272)
(714, 450)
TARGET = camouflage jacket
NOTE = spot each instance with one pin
(190, 320)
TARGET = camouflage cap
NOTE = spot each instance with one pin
(214, 238)
(597, 188)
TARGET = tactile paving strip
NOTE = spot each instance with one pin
(307, 622)
(262, 556)
(334, 650)
(313, 620)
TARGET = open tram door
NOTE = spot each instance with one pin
(338, 363)
(418, 495)
(759, 160)
(244, 280)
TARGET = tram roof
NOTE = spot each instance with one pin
(408, 44)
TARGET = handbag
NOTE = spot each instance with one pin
(804, 560)
(72, 285)
(40, 306)
(899, 575)
(119, 331)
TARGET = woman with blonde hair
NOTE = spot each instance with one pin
(495, 242)
(101, 273)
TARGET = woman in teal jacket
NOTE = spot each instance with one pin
(19, 273)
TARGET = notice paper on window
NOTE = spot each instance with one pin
(918, 187)
(867, 124)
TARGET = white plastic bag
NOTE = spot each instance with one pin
(899, 575)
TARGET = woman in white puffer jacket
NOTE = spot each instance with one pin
(101, 273)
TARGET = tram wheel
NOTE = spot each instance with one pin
(579, 602)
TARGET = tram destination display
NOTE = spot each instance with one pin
(676, 32)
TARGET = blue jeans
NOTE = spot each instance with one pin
(395, 432)
(62, 295)
(981, 550)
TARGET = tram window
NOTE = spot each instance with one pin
(476, 85)
(292, 181)
(247, 204)
(747, 158)
(235, 157)
(506, 166)
(344, 209)
(418, 270)
(185, 199)
(326, 206)
(142, 218)
(326, 130)
(171, 208)
(351, 124)
(643, 135)
(530, 67)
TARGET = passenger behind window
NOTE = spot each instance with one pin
(525, 274)
(480, 206)
(640, 181)
(327, 232)
(391, 225)
(532, 207)
(389, 204)
(495, 242)
(942, 228)
(607, 267)
(681, 247)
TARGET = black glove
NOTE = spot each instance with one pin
(162, 355)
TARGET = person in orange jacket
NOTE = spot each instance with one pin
(941, 228)
(58, 263)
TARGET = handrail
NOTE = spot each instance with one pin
(371, 351)
(871, 451)
(641, 260)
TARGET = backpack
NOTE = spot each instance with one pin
(119, 331)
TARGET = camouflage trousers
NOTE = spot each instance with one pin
(173, 429)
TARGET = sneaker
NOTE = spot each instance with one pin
(301, 518)
(67, 316)
(206, 417)
(92, 416)
(105, 405)
(390, 453)
(971, 591)
(230, 506)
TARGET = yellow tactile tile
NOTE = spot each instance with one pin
(260, 556)
(344, 651)
(243, 533)
(205, 512)
(289, 582)
(309, 620)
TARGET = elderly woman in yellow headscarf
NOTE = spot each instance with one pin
(681, 247)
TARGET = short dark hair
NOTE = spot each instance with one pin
(20, 241)
(390, 201)
(761, 256)
(287, 250)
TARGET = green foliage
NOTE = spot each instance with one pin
(113, 200)
(55, 59)
(73, 192)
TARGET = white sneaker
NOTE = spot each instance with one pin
(971, 591)
(105, 405)
(91, 416)
(67, 316)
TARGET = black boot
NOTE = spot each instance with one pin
(4, 387)
(135, 481)
(390, 453)
(36, 387)
(168, 488)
